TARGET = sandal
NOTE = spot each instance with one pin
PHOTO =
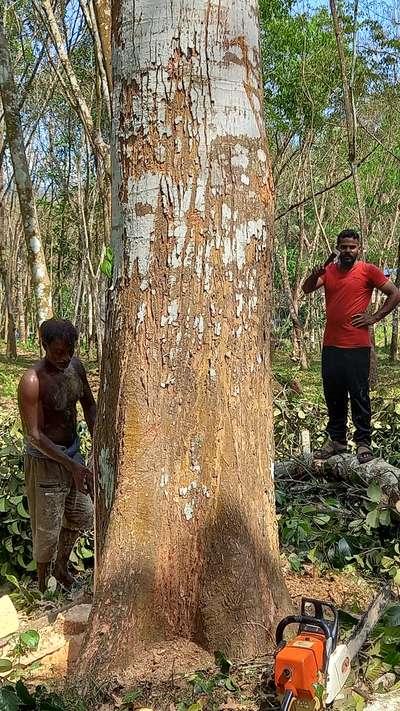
(329, 449)
(364, 453)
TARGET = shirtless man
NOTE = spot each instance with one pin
(58, 484)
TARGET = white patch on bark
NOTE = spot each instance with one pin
(240, 302)
(140, 228)
(240, 158)
(35, 244)
(217, 328)
(38, 271)
(199, 326)
(179, 234)
(172, 316)
(141, 314)
(164, 478)
(188, 511)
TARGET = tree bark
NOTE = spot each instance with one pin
(102, 12)
(394, 344)
(186, 535)
(36, 256)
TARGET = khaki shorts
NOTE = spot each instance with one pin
(54, 502)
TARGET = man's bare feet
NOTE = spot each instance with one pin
(64, 577)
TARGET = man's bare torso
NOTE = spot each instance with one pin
(59, 391)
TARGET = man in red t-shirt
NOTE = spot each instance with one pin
(348, 285)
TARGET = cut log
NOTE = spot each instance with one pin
(347, 468)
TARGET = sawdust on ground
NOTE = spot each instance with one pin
(345, 590)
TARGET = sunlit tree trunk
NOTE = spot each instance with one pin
(186, 530)
(37, 260)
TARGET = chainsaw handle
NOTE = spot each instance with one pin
(307, 620)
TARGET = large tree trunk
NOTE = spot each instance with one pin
(9, 96)
(186, 535)
(394, 344)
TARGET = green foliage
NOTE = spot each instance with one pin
(107, 264)
(18, 698)
(15, 532)
(16, 564)
(26, 642)
(300, 67)
(336, 524)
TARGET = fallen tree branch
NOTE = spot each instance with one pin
(347, 468)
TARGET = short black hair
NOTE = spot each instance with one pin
(58, 329)
(348, 234)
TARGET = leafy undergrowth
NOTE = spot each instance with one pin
(338, 525)
(219, 689)
(16, 564)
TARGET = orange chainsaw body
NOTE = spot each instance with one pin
(302, 663)
(298, 665)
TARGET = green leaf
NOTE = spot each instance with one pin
(8, 545)
(396, 577)
(347, 620)
(5, 665)
(386, 563)
(21, 510)
(131, 696)
(230, 684)
(374, 492)
(4, 505)
(295, 562)
(390, 654)
(24, 694)
(389, 634)
(85, 552)
(372, 519)
(222, 662)
(9, 701)
(322, 519)
(13, 580)
(359, 701)
(385, 518)
(375, 670)
(196, 707)
(391, 618)
(30, 639)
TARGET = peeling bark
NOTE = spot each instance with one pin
(36, 256)
(186, 534)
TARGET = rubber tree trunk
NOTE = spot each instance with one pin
(37, 260)
(186, 534)
(394, 344)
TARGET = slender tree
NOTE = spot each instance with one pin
(9, 96)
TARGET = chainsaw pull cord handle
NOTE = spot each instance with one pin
(307, 620)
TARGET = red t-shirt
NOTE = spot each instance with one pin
(348, 293)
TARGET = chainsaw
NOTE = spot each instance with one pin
(311, 669)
